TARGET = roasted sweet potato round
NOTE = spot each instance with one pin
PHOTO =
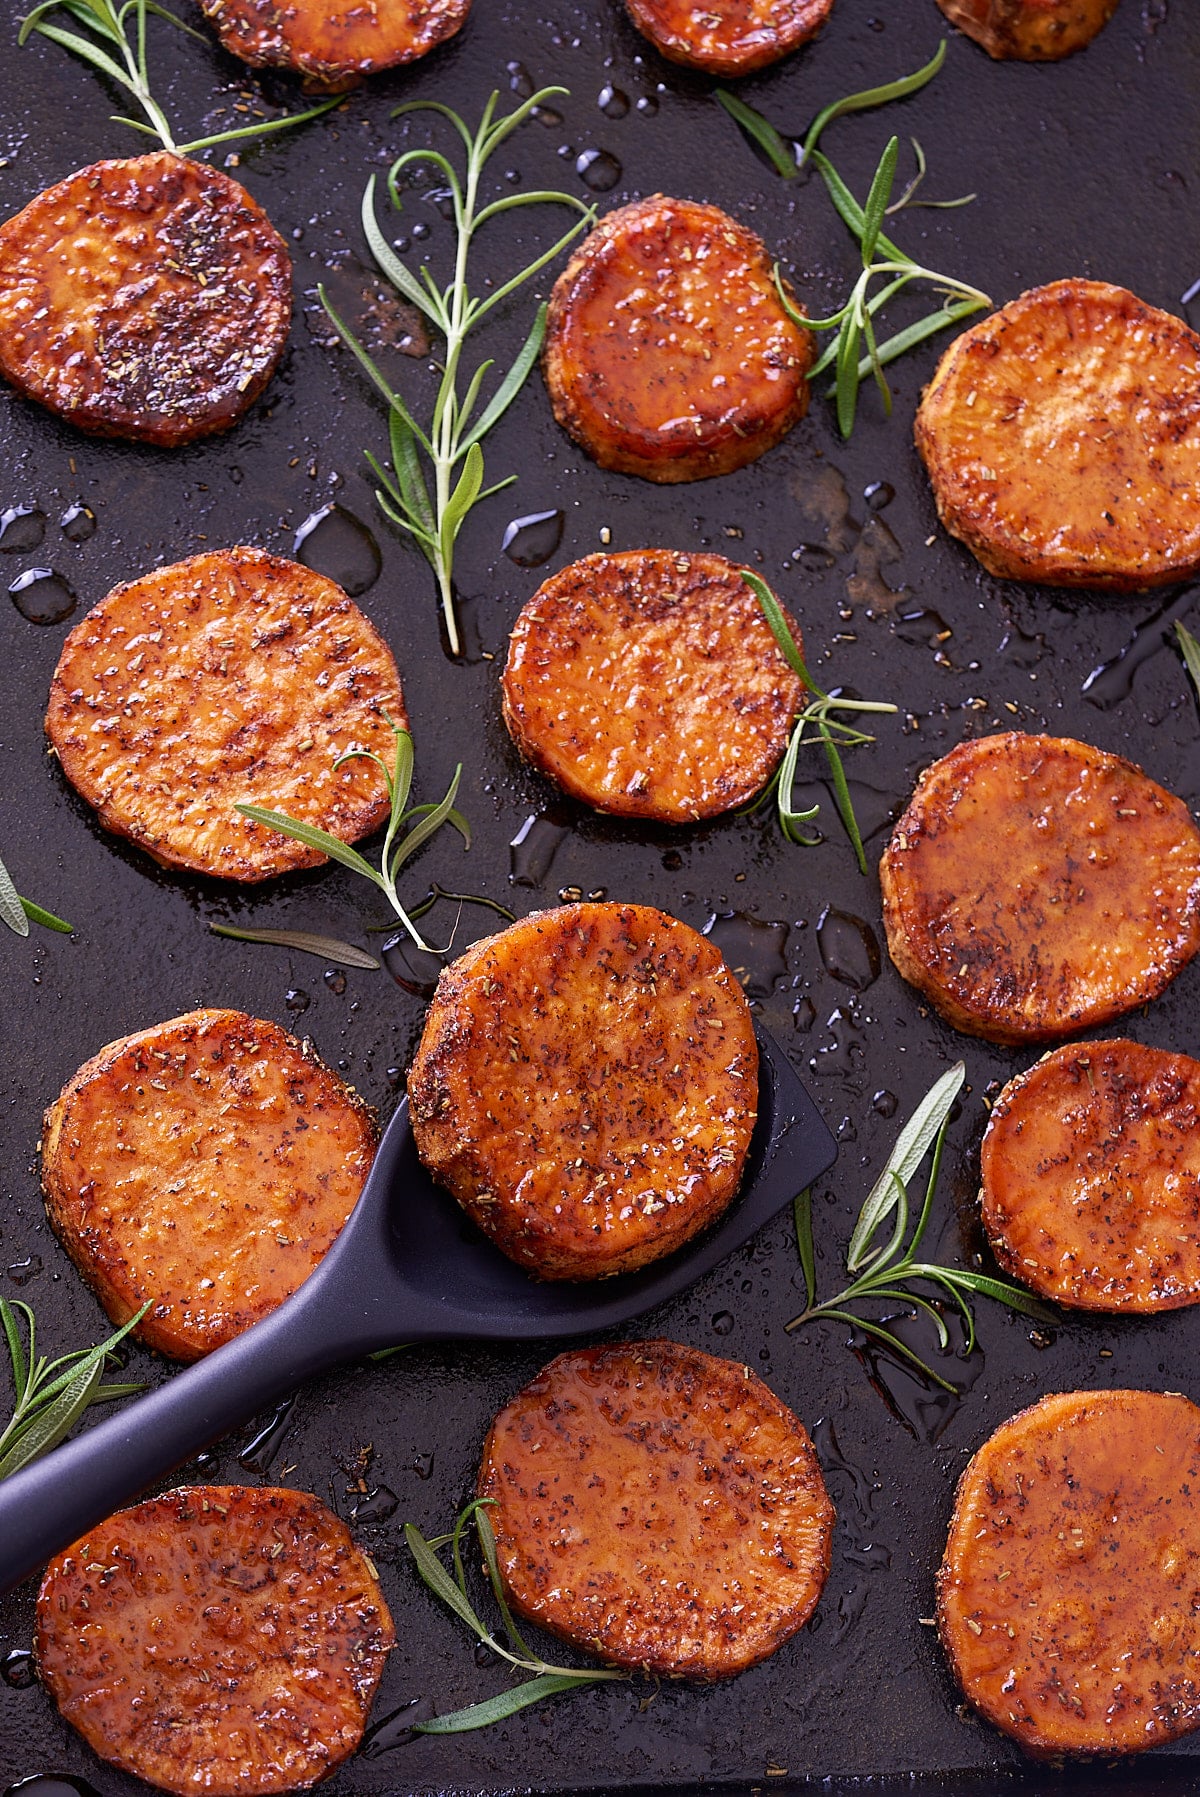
(146, 298)
(205, 1166)
(231, 677)
(1062, 438)
(658, 1507)
(333, 45)
(1091, 1177)
(648, 684)
(1030, 30)
(1067, 1595)
(220, 1638)
(1036, 886)
(586, 1085)
(728, 37)
(668, 352)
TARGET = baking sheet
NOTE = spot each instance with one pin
(1091, 168)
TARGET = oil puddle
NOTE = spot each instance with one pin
(393, 1730)
(375, 1505)
(262, 1450)
(1112, 681)
(414, 970)
(51, 1784)
(922, 1406)
(335, 543)
(823, 500)
(876, 553)
(78, 523)
(754, 951)
(22, 529)
(846, 1052)
(849, 949)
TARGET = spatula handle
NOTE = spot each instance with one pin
(336, 1314)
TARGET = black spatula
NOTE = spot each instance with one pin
(407, 1267)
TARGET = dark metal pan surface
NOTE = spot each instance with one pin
(1091, 167)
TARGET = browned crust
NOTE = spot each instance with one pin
(334, 45)
(1036, 886)
(1066, 1598)
(668, 352)
(205, 1166)
(234, 676)
(658, 1507)
(728, 37)
(648, 684)
(1030, 30)
(586, 1085)
(1090, 1177)
(1062, 438)
(147, 298)
(218, 1638)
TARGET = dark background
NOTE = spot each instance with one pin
(1088, 168)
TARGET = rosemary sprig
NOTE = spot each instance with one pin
(546, 1679)
(407, 830)
(854, 323)
(886, 1270)
(18, 913)
(120, 53)
(452, 443)
(816, 721)
(1191, 654)
(789, 156)
(49, 1396)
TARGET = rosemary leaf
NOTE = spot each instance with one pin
(870, 97)
(311, 837)
(1191, 654)
(342, 954)
(802, 1217)
(12, 911)
(438, 1579)
(912, 1145)
(776, 147)
(506, 1703)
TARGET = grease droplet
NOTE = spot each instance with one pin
(532, 540)
(598, 169)
(722, 1323)
(335, 543)
(879, 493)
(885, 1103)
(260, 1452)
(375, 1506)
(78, 523)
(42, 596)
(296, 999)
(17, 1669)
(335, 979)
(648, 105)
(613, 101)
(753, 951)
(533, 848)
(22, 528)
(22, 1271)
(414, 970)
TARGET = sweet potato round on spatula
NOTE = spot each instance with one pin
(728, 37)
(668, 350)
(586, 1085)
(148, 298)
(648, 684)
(658, 1507)
(219, 1638)
(1030, 30)
(333, 45)
(1067, 1595)
(1062, 439)
(1036, 886)
(232, 677)
(203, 1166)
(1090, 1177)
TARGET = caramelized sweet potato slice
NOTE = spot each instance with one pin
(146, 298)
(205, 1166)
(1091, 1177)
(334, 45)
(728, 37)
(219, 1638)
(668, 353)
(1036, 886)
(658, 1507)
(1062, 438)
(232, 676)
(1030, 30)
(586, 1086)
(648, 684)
(1067, 1596)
